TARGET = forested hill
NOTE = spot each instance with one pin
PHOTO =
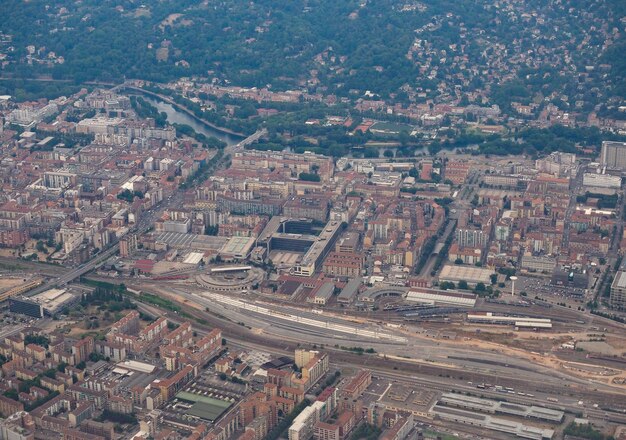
(495, 50)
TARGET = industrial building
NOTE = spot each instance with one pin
(593, 181)
(538, 263)
(498, 407)
(441, 297)
(237, 248)
(470, 274)
(489, 422)
(50, 302)
(349, 292)
(282, 233)
(517, 321)
(24, 306)
(323, 294)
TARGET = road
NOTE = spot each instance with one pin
(444, 378)
(424, 354)
(575, 186)
(142, 226)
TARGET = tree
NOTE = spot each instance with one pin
(388, 154)
(458, 261)
(41, 247)
(463, 285)
(480, 287)
(11, 393)
(309, 177)
(445, 285)
(494, 278)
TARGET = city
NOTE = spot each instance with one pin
(312, 220)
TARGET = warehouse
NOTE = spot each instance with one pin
(237, 248)
(470, 274)
(349, 292)
(517, 321)
(441, 297)
(489, 422)
(497, 407)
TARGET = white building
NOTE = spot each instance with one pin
(601, 181)
(303, 426)
(613, 155)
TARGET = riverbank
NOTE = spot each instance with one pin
(183, 109)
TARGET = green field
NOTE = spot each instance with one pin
(391, 127)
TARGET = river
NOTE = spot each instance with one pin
(175, 116)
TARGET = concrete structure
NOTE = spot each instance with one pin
(303, 426)
(517, 321)
(613, 155)
(593, 180)
(237, 248)
(471, 274)
(349, 292)
(498, 407)
(318, 250)
(441, 297)
(489, 422)
(539, 263)
(618, 291)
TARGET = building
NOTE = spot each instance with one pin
(538, 264)
(9, 406)
(303, 426)
(400, 429)
(237, 248)
(26, 307)
(471, 237)
(613, 155)
(618, 291)
(348, 243)
(605, 182)
(343, 264)
(441, 297)
(357, 385)
(19, 426)
(456, 171)
(470, 274)
(350, 291)
(313, 207)
(324, 294)
(337, 429)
